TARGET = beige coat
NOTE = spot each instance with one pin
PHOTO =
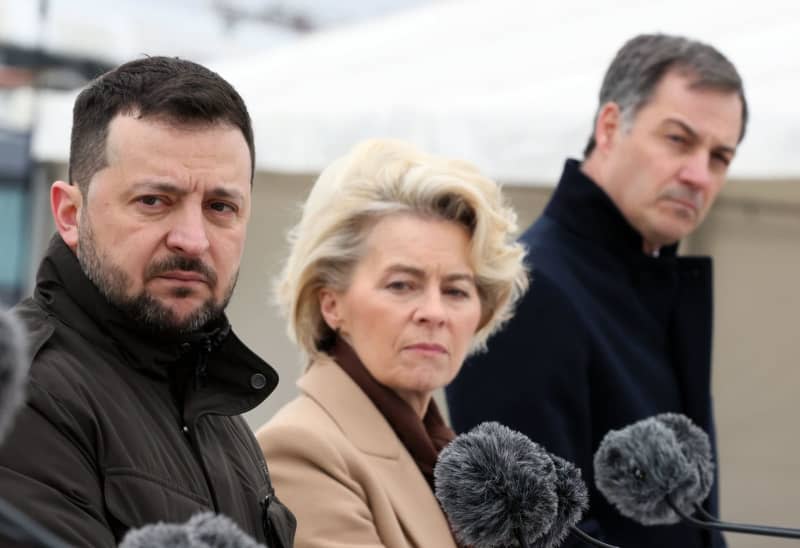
(338, 465)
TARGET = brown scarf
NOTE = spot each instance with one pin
(422, 438)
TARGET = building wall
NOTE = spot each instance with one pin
(755, 241)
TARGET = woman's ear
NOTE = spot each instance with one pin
(330, 307)
(66, 201)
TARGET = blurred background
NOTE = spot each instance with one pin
(509, 85)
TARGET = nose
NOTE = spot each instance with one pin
(431, 308)
(696, 171)
(187, 235)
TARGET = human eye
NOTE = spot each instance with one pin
(677, 139)
(457, 292)
(151, 202)
(721, 159)
(222, 207)
(399, 285)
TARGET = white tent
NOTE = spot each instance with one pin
(510, 85)
(116, 31)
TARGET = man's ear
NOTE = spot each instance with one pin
(330, 308)
(66, 201)
(609, 120)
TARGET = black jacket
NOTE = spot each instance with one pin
(605, 336)
(122, 430)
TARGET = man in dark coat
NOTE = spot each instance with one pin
(616, 327)
(137, 381)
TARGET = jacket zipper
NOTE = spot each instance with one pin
(201, 370)
(200, 381)
(189, 432)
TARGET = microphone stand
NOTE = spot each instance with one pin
(521, 538)
(716, 524)
(588, 539)
(576, 531)
(14, 525)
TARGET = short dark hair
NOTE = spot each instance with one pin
(644, 60)
(176, 90)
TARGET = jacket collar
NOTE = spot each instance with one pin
(63, 289)
(361, 422)
(411, 498)
(422, 437)
(585, 209)
(365, 427)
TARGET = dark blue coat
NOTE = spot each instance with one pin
(605, 336)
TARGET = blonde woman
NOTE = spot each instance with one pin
(401, 265)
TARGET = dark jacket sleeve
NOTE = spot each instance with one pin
(534, 378)
(47, 471)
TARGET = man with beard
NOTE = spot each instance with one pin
(137, 381)
(615, 326)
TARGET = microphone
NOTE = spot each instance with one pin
(658, 470)
(498, 488)
(573, 500)
(638, 466)
(14, 366)
(204, 530)
(696, 448)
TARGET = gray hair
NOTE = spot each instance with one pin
(644, 60)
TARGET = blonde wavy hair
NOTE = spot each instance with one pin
(378, 178)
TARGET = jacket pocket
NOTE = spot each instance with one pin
(135, 499)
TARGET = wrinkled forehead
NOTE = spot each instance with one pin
(131, 124)
(152, 151)
(707, 111)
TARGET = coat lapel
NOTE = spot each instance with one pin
(413, 501)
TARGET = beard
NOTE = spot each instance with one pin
(145, 310)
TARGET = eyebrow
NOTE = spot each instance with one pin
(419, 273)
(695, 136)
(227, 193)
(172, 188)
